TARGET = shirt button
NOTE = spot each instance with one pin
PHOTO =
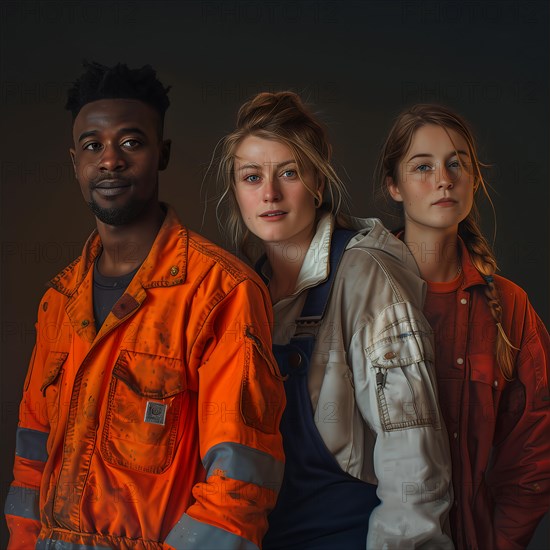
(460, 361)
(455, 435)
(85, 323)
(495, 383)
(463, 301)
(174, 270)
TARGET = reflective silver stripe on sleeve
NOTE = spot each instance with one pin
(49, 544)
(22, 502)
(190, 534)
(31, 444)
(244, 463)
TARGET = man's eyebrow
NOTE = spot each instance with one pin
(459, 151)
(91, 133)
(84, 135)
(132, 131)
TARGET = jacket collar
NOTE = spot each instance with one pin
(165, 265)
(315, 267)
(472, 277)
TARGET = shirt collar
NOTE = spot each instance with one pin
(472, 276)
(165, 265)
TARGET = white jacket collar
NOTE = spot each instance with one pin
(316, 262)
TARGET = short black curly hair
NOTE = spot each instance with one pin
(117, 82)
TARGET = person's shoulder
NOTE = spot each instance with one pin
(382, 245)
(510, 290)
(377, 280)
(378, 253)
(63, 284)
(57, 291)
(219, 260)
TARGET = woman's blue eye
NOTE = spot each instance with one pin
(289, 173)
(423, 167)
(252, 178)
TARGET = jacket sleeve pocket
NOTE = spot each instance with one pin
(146, 397)
(52, 369)
(405, 384)
(51, 387)
(261, 383)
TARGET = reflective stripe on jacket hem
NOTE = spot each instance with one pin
(190, 534)
(49, 544)
(245, 464)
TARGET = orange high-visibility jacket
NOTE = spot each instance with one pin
(161, 430)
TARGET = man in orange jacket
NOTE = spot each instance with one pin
(150, 413)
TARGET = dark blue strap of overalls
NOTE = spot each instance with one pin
(317, 297)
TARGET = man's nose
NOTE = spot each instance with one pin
(112, 159)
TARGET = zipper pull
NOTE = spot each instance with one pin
(381, 377)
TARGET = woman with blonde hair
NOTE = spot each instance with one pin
(492, 350)
(367, 461)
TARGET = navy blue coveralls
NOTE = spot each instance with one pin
(320, 506)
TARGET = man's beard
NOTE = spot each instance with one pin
(118, 216)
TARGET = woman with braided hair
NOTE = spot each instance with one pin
(492, 350)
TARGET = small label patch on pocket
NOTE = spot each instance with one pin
(155, 413)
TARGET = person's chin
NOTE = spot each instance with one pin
(116, 215)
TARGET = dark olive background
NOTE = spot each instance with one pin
(358, 63)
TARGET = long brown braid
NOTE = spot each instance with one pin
(483, 258)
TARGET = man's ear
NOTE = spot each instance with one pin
(164, 154)
(393, 190)
(73, 159)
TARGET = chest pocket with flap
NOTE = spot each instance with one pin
(147, 398)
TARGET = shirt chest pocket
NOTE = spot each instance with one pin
(487, 383)
(402, 366)
(147, 398)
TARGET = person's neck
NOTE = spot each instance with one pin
(435, 251)
(286, 260)
(126, 246)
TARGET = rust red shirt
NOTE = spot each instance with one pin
(499, 431)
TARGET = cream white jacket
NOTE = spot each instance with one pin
(372, 382)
